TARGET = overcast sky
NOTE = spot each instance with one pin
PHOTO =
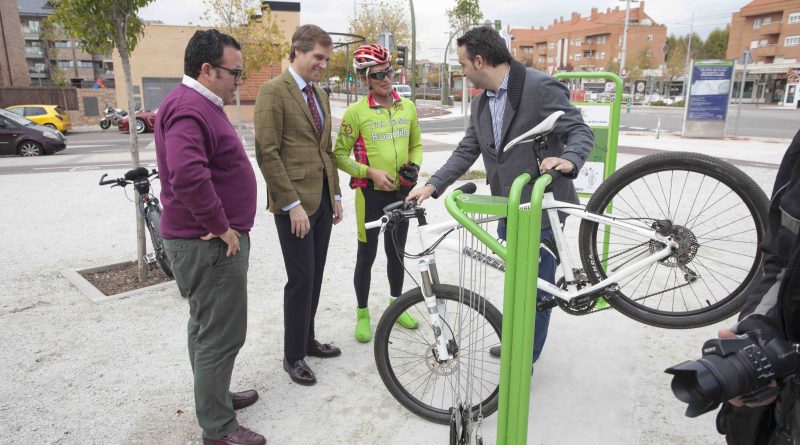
(432, 25)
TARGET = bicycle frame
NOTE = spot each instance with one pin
(429, 233)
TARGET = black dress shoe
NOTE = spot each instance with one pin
(244, 399)
(323, 350)
(300, 373)
(239, 436)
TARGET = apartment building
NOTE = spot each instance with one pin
(61, 52)
(591, 43)
(770, 30)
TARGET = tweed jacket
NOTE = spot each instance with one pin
(289, 154)
(532, 97)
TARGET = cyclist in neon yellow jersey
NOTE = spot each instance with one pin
(382, 133)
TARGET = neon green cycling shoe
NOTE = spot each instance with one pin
(363, 328)
(405, 320)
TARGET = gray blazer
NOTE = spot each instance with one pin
(532, 96)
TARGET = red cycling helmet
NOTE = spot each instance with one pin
(370, 55)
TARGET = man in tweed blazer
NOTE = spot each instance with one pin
(294, 152)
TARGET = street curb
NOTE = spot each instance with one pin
(97, 297)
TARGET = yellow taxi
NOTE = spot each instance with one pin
(52, 116)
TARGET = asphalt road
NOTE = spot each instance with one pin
(109, 150)
(754, 122)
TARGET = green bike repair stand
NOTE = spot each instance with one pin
(519, 299)
(603, 119)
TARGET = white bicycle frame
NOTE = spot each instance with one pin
(427, 264)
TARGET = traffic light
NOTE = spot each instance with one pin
(401, 55)
(349, 77)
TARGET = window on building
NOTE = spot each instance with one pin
(763, 43)
(602, 39)
(757, 23)
(754, 44)
(589, 40)
(31, 26)
(65, 64)
(794, 17)
(601, 56)
(550, 59)
(649, 37)
(527, 49)
(63, 44)
(85, 64)
(791, 41)
(542, 46)
(577, 57)
(766, 21)
(578, 42)
(540, 59)
(513, 52)
(552, 45)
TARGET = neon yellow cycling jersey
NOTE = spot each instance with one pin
(378, 139)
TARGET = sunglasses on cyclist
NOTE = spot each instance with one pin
(380, 75)
(236, 72)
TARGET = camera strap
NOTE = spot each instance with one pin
(760, 395)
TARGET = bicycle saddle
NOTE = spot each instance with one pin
(136, 173)
(544, 127)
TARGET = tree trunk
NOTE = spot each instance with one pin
(126, 68)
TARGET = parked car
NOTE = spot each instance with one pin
(21, 136)
(403, 90)
(145, 121)
(52, 116)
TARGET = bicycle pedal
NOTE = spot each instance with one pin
(150, 260)
(546, 304)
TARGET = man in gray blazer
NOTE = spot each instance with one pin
(515, 100)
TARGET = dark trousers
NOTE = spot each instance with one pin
(304, 259)
(216, 287)
(547, 271)
(374, 202)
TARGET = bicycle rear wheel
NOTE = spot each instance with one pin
(715, 212)
(410, 370)
(153, 220)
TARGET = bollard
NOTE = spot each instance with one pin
(628, 105)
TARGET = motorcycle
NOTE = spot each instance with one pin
(112, 117)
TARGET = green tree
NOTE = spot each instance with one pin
(716, 44)
(102, 26)
(373, 18)
(464, 14)
(676, 57)
(254, 27)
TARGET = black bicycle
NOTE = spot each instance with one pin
(149, 209)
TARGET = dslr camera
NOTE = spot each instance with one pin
(742, 366)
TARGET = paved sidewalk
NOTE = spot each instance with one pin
(117, 373)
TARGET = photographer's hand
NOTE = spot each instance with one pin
(737, 401)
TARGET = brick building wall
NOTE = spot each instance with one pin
(249, 91)
(13, 66)
(771, 29)
(104, 96)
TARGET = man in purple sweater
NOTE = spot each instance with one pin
(208, 189)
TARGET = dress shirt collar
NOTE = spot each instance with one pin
(205, 92)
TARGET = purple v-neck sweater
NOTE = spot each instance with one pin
(207, 180)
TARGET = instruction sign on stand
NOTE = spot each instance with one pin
(706, 110)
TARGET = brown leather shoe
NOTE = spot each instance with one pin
(240, 436)
(244, 399)
(300, 373)
(323, 350)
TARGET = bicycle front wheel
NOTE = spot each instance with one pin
(153, 219)
(715, 213)
(410, 369)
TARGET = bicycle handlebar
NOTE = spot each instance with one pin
(129, 178)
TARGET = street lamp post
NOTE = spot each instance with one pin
(624, 51)
(413, 52)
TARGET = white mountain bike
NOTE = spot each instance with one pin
(670, 240)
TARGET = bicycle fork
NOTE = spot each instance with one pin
(444, 348)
